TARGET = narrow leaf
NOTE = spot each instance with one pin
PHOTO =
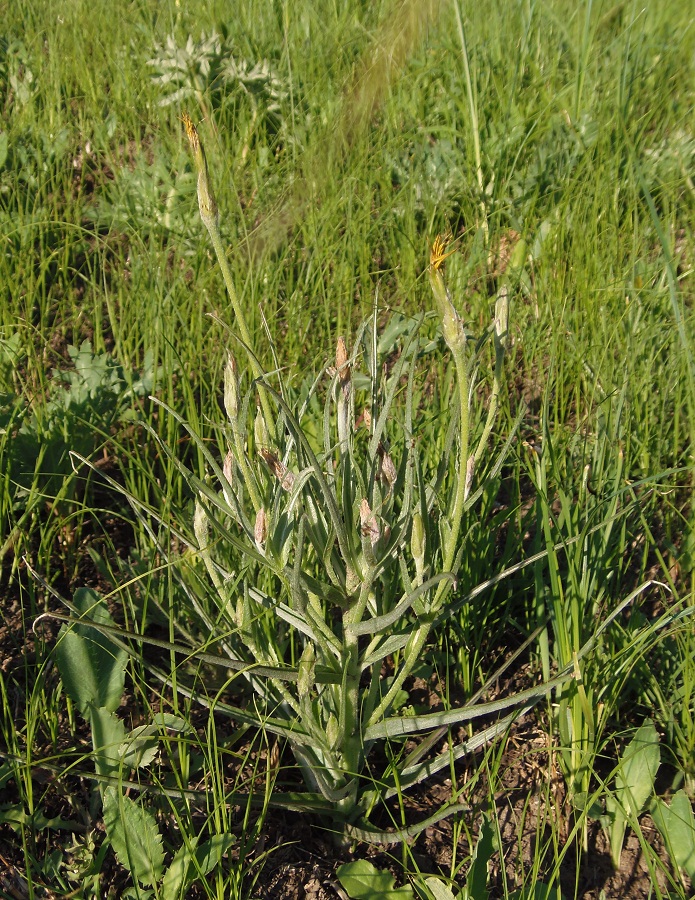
(476, 884)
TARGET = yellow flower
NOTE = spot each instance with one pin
(438, 251)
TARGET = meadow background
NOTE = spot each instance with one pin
(341, 139)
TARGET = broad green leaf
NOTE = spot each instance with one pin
(108, 732)
(438, 889)
(639, 765)
(634, 784)
(677, 826)
(91, 665)
(140, 745)
(363, 881)
(134, 836)
(17, 818)
(476, 883)
(191, 862)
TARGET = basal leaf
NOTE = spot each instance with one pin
(134, 836)
(363, 881)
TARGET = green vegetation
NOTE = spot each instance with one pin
(324, 581)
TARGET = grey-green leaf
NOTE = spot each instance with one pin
(191, 862)
(134, 836)
(677, 826)
(476, 884)
(634, 783)
(363, 881)
(91, 665)
(438, 889)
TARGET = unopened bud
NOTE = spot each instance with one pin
(307, 665)
(279, 469)
(200, 525)
(231, 389)
(332, 732)
(369, 524)
(228, 472)
(387, 470)
(260, 529)
(417, 538)
(206, 199)
(341, 366)
(260, 432)
(470, 469)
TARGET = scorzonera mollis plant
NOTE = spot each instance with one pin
(332, 538)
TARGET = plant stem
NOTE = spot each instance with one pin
(474, 117)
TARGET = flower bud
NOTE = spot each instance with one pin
(206, 199)
(306, 669)
(231, 389)
(279, 469)
(452, 325)
(200, 525)
(228, 472)
(260, 529)
(470, 470)
(387, 470)
(417, 538)
(368, 523)
(333, 732)
(342, 366)
(260, 432)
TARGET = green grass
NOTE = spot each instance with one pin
(586, 150)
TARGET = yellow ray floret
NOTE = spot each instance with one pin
(438, 251)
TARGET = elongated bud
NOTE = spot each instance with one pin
(260, 432)
(418, 541)
(345, 381)
(228, 472)
(387, 470)
(279, 469)
(342, 366)
(369, 528)
(417, 538)
(333, 732)
(206, 199)
(368, 523)
(200, 529)
(231, 389)
(470, 470)
(307, 666)
(200, 526)
(452, 326)
(501, 318)
(260, 529)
